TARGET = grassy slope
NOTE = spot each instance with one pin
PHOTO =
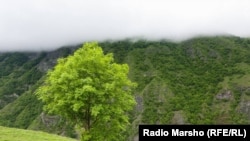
(12, 134)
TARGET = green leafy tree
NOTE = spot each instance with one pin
(92, 91)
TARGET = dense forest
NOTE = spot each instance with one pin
(203, 80)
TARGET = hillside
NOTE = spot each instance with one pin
(204, 80)
(21, 75)
(12, 134)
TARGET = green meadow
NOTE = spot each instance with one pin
(13, 134)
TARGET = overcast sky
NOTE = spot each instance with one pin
(49, 24)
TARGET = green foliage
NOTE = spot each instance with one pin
(19, 107)
(34, 62)
(16, 79)
(191, 69)
(21, 112)
(92, 91)
(10, 61)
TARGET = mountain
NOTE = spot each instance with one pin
(203, 80)
(20, 75)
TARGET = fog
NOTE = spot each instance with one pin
(29, 25)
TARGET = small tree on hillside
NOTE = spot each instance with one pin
(92, 91)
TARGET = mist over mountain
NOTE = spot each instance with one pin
(47, 25)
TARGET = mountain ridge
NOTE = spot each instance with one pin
(203, 80)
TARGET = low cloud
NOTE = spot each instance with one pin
(28, 25)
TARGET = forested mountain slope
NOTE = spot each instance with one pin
(204, 80)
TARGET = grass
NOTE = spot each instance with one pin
(13, 134)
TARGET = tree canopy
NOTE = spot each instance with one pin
(92, 91)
